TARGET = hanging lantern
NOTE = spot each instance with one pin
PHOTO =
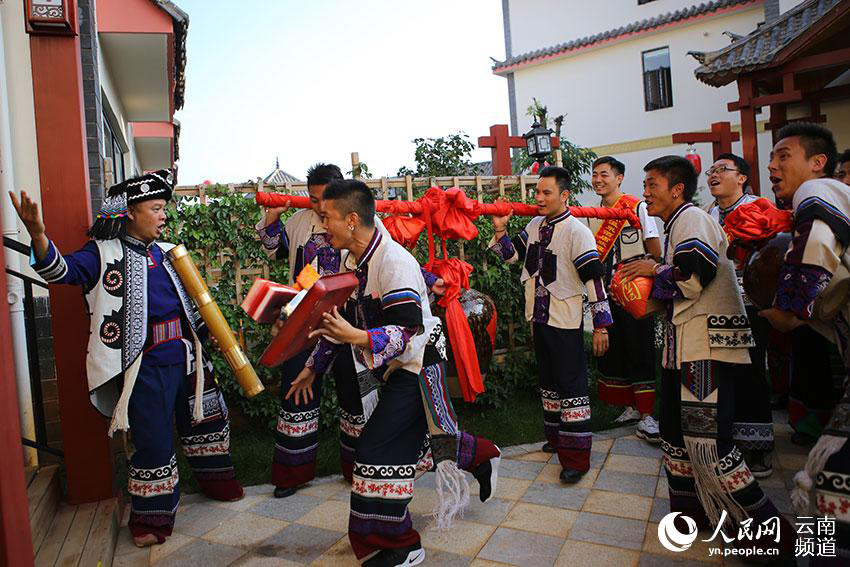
(692, 156)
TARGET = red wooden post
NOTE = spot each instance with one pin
(720, 137)
(66, 204)
(749, 131)
(15, 535)
(501, 143)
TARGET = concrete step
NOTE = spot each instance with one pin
(83, 535)
(43, 493)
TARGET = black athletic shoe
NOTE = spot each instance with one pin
(280, 492)
(399, 557)
(487, 475)
(570, 476)
(548, 448)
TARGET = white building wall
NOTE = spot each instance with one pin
(536, 24)
(16, 51)
(601, 90)
(636, 160)
(24, 149)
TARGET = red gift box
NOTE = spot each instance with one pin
(328, 292)
(265, 300)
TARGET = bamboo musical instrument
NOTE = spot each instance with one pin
(216, 323)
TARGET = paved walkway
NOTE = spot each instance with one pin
(608, 519)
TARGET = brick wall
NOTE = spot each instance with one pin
(91, 100)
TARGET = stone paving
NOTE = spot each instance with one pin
(609, 519)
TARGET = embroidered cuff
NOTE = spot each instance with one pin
(387, 343)
(504, 247)
(664, 286)
(601, 312)
(322, 356)
(798, 288)
(53, 268)
(269, 235)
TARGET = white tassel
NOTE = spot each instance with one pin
(198, 410)
(120, 417)
(800, 494)
(452, 494)
(713, 494)
(370, 402)
(827, 446)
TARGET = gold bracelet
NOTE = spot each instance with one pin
(601, 331)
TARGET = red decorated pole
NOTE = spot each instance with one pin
(496, 209)
(450, 214)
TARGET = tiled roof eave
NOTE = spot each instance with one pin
(761, 47)
(604, 39)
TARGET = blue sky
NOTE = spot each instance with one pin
(316, 80)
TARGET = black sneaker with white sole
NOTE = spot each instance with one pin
(487, 475)
(397, 557)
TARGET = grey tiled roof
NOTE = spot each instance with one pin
(280, 177)
(759, 48)
(634, 27)
(480, 168)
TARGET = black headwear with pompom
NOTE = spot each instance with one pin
(111, 221)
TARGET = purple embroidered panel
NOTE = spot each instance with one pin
(799, 286)
(542, 298)
(328, 258)
(601, 314)
(430, 279)
(664, 286)
(465, 450)
(387, 343)
(504, 248)
(270, 235)
(322, 356)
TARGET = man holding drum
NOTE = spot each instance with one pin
(706, 336)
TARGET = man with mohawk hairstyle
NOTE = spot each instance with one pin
(145, 361)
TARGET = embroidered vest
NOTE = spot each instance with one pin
(118, 304)
(552, 263)
(390, 255)
(721, 298)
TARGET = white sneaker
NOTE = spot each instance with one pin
(631, 414)
(647, 429)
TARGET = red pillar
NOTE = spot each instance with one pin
(749, 130)
(15, 535)
(66, 204)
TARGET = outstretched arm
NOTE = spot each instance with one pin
(79, 268)
(29, 214)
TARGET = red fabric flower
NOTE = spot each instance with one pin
(759, 220)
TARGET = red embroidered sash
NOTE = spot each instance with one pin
(610, 229)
